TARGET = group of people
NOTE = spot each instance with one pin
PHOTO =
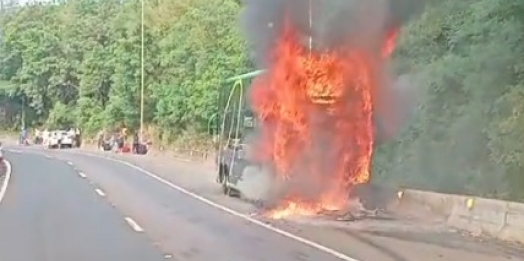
(117, 142)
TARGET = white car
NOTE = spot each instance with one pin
(67, 140)
(59, 139)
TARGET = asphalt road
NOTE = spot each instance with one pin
(184, 228)
(49, 214)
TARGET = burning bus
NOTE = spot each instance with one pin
(316, 103)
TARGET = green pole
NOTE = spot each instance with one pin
(245, 76)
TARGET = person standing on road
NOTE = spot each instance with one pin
(101, 140)
(136, 142)
(71, 135)
(78, 139)
(45, 136)
(120, 142)
(23, 136)
(113, 143)
(123, 133)
(37, 138)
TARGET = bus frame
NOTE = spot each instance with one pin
(231, 158)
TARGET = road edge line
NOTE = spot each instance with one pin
(7, 177)
(230, 211)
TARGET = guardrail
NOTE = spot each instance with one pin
(478, 216)
(194, 155)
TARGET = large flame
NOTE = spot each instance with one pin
(316, 110)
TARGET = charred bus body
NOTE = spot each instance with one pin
(236, 123)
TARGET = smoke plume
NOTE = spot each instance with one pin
(333, 22)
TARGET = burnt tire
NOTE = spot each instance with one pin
(226, 189)
(222, 179)
(225, 180)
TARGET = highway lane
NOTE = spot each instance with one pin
(186, 228)
(191, 230)
(50, 214)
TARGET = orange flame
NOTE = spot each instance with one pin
(389, 46)
(316, 111)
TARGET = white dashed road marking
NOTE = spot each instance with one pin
(100, 192)
(70, 163)
(82, 175)
(7, 177)
(49, 156)
(133, 225)
(232, 212)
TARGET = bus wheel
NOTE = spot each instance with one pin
(226, 189)
(223, 178)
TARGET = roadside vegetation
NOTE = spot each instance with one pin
(79, 63)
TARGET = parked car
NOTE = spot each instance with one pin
(67, 139)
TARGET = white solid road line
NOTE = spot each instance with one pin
(3, 188)
(232, 212)
(133, 225)
(82, 175)
(100, 192)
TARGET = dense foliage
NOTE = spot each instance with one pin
(468, 134)
(79, 63)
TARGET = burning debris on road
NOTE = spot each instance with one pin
(325, 83)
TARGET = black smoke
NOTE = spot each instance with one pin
(338, 24)
(335, 23)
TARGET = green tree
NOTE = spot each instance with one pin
(470, 53)
(86, 55)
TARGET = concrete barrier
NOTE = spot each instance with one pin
(514, 227)
(439, 204)
(478, 216)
